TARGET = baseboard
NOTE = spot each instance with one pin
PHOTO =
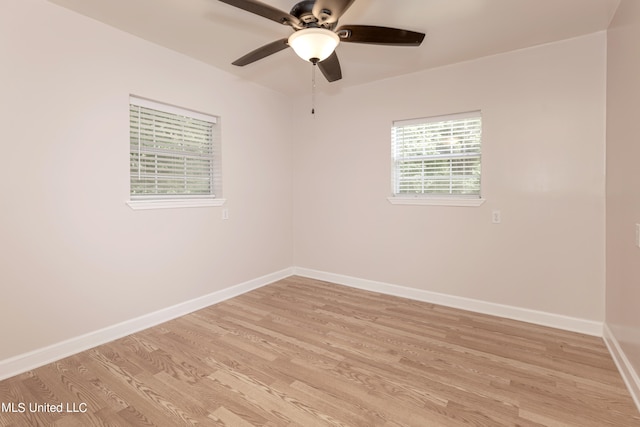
(628, 373)
(573, 324)
(33, 359)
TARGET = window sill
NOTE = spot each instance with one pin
(436, 201)
(174, 203)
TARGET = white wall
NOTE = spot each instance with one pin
(74, 257)
(543, 167)
(623, 183)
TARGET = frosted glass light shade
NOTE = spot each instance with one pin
(314, 43)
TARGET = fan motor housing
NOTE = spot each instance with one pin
(304, 12)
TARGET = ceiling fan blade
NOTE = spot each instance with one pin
(379, 35)
(329, 11)
(261, 52)
(330, 68)
(265, 11)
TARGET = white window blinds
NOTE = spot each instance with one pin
(171, 152)
(437, 156)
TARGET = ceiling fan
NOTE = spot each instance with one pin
(315, 34)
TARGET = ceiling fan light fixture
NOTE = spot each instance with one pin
(314, 44)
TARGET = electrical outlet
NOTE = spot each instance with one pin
(638, 235)
(496, 217)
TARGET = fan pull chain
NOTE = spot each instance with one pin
(313, 89)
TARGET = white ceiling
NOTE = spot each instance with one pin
(457, 30)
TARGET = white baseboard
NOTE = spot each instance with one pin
(628, 373)
(573, 324)
(33, 359)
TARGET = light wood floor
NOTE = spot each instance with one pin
(307, 353)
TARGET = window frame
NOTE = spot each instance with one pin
(436, 199)
(160, 201)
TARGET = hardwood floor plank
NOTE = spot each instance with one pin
(304, 353)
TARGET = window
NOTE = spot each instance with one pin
(172, 156)
(437, 159)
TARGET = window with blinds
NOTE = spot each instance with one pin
(171, 152)
(437, 156)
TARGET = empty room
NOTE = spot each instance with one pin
(346, 213)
